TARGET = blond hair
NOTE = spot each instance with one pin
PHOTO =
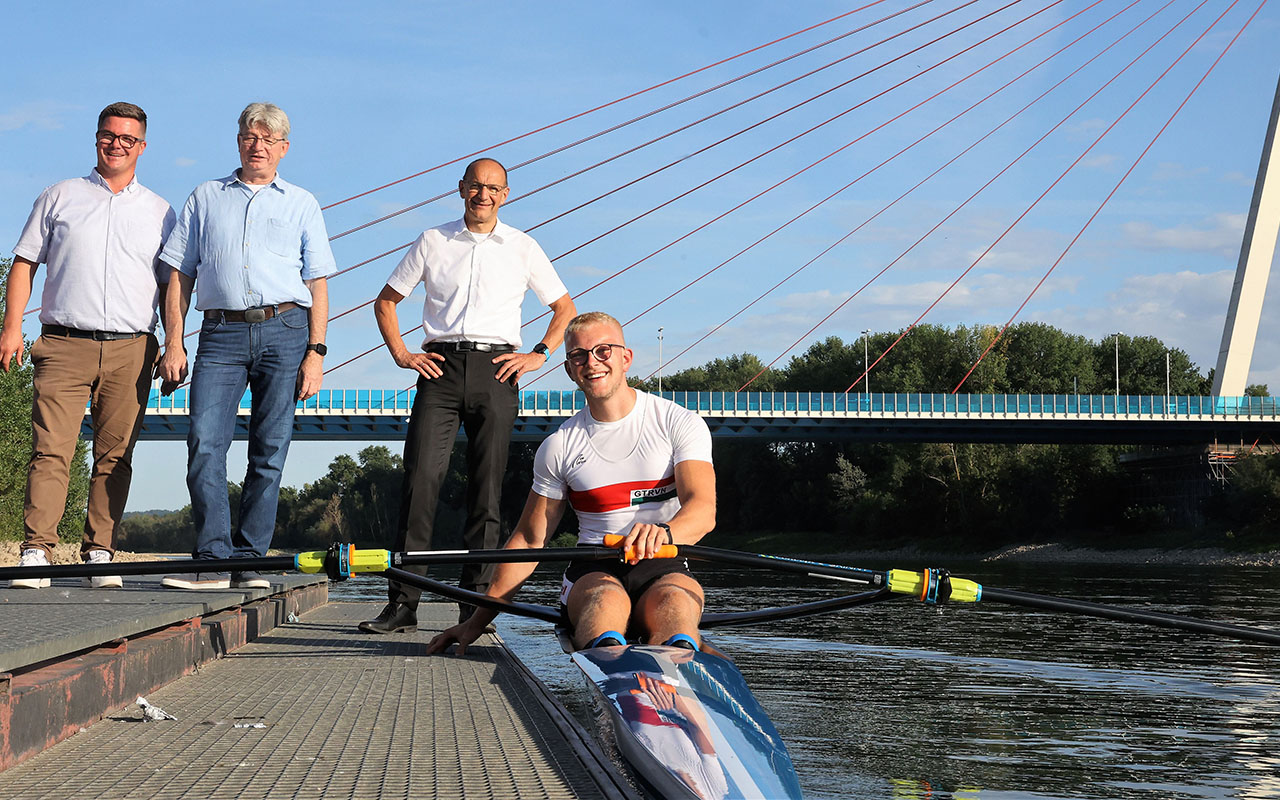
(591, 318)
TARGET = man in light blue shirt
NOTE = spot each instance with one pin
(257, 247)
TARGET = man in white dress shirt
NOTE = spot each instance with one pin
(476, 272)
(100, 236)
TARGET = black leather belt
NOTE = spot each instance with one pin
(97, 336)
(469, 347)
(259, 314)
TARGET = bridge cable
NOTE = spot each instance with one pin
(1056, 181)
(904, 150)
(615, 127)
(406, 245)
(863, 136)
(967, 200)
(667, 82)
(804, 133)
(1107, 199)
(618, 126)
(793, 175)
(776, 147)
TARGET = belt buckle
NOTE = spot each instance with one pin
(255, 315)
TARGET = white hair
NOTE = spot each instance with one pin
(265, 115)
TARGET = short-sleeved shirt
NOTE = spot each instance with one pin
(475, 282)
(248, 249)
(102, 248)
(617, 474)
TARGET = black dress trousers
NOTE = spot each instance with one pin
(467, 394)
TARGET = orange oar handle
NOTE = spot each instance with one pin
(614, 540)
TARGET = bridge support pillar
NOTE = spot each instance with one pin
(1256, 251)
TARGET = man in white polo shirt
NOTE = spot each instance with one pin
(101, 237)
(476, 272)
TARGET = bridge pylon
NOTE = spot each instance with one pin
(1231, 375)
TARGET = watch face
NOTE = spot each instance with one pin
(319, 348)
(540, 349)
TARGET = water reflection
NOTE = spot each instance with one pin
(903, 701)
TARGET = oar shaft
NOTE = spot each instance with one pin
(169, 567)
(502, 556)
(1130, 615)
(865, 577)
(544, 613)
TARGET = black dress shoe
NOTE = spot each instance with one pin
(393, 619)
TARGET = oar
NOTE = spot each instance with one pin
(338, 561)
(936, 586)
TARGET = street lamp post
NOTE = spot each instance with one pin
(866, 361)
(1167, 393)
(1118, 335)
(659, 359)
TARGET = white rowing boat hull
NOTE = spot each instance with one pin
(688, 724)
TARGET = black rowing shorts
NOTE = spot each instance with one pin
(635, 579)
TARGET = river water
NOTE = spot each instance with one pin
(899, 700)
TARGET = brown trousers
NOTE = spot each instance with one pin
(114, 379)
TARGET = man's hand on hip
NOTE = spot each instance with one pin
(513, 365)
(425, 364)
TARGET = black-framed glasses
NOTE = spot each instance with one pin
(602, 352)
(107, 138)
(474, 188)
(251, 140)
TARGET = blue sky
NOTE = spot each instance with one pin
(379, 92)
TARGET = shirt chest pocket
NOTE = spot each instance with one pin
(283, 238)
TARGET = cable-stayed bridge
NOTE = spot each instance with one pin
(382, 414)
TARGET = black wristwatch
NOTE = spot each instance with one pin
(540, 349)
(319, 348)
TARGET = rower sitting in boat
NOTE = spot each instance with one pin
(630, 464)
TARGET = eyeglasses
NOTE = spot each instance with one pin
(602, 352)
(107, 138)
(474, 188)
(250, 140)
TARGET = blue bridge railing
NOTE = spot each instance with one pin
(395, 401)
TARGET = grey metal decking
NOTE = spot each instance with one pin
(345, 714)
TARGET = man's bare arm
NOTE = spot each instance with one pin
(311, 371)
(384, 311)
(172, 369)
(537, 522)
(16, 294)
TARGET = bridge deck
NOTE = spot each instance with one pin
(378, 414)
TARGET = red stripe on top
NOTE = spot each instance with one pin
(612, 497)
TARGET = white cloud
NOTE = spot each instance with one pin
(45, 115)
(1220, 233)
(184, 162)
(1100, 161)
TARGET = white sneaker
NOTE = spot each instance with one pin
(101, 581)
(31, 557)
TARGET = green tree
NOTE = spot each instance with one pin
(726, 374)
(1046, 360)
(15, 449)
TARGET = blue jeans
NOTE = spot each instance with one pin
(265, 357)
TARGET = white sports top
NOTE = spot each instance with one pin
(616, 474)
